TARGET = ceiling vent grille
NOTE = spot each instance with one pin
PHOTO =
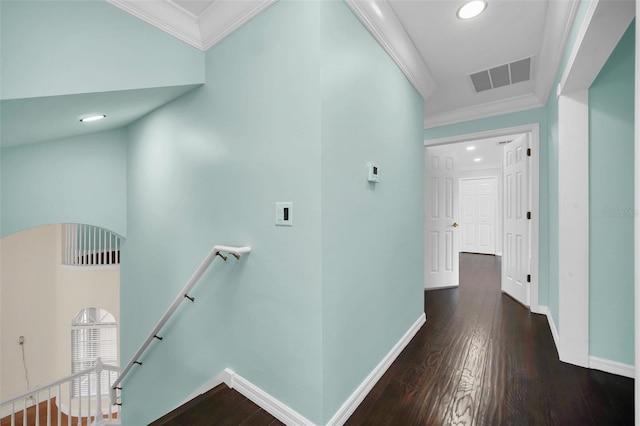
(502, 75)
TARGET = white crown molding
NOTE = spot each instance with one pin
(224, 17)
(503, 106)
(560, 14)
(166, 16)
(216, 22)
(612, 367)
(602, 29)
(383, 24)
(356, 398)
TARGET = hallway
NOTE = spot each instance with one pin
(481, 358)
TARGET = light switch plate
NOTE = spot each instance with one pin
(284, 213)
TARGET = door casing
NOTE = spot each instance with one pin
(534, 130)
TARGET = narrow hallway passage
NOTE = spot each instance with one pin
(482, 358)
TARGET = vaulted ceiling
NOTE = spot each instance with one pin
(436, 50)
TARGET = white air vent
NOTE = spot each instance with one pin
(502, 75)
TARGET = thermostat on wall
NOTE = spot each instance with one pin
(373, 173)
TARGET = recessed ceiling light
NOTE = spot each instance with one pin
(471, 148)
(477, 160)
(471, 9)
(93, 118)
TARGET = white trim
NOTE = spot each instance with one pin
(573, 227)
(489, 109)
(202, 32)
(383, 24)
(356, 398)
(534, 130)
(544, 310)
(636, 219)
(165, 16)
(273, 406)
(602, 29)
(224, 17)
(547, 74)
(288, 415)
(613, 367)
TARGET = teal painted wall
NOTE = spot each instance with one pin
(532, 116)
(75, 180)
(307, 315)
(372, 235)
(611, 205)
(553, 141)
(62, 47)
(207, 169)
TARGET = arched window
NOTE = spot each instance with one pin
(93, 334)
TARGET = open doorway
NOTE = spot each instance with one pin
(481, 196)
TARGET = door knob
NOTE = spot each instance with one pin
(455, 224)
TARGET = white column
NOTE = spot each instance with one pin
(573, 227)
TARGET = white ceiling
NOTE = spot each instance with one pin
(452, 49)
(448, 49)
(489, 151)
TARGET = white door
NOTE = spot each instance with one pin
(478, 215)
(516, 248)
(441, 229)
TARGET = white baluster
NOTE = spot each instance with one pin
(99, 366)
(37, 401)
(49, 408)
(59, 404)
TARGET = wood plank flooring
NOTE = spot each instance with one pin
(481, 359)
(484, 359)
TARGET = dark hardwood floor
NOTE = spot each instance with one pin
(220, 406)
(484, 359)
(481, 359)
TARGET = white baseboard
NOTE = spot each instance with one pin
(595, 363)
(613, 367)
(369, 382)
(442, 287)
(268, 403)
(544, 310)
(289, 416)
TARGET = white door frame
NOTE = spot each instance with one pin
(637, 220)
(534, 130)
(604, 24)
(497, 213)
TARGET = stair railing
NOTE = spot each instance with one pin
(56, 403)
(217, 251)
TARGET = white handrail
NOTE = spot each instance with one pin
(184, 294)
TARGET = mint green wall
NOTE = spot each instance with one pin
(611, 205)
(546, 223)
(63, 47)
(75, 180)
(207, 169)
(553, 141)
(372, 235)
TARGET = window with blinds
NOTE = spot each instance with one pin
(93, 334)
